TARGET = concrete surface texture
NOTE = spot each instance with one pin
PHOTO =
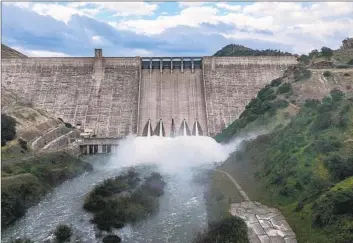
(80, 90)
(265, 225)
(171, 95)
(116, 97)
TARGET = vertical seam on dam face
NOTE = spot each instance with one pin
(116, 95)
(139, 98)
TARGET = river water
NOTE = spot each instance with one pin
(182, 210)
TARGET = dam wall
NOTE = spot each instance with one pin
(231, 82)
(118, 96)
(98, 93)
(172, 95)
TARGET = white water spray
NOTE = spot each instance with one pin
(184, 131)
(197, 129)
(172, 154)
(149, 129)
(160, 128)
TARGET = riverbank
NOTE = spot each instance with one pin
(26, 181)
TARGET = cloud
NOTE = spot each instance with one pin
(229, 7)
(195, 28)
(64, 12)
(40, 53)
(192, 17)
(128, 8)
(191, 4)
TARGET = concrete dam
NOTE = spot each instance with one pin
(167, 96)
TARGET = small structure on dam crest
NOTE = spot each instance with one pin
(117, 96)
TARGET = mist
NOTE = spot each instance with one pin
(173, 155)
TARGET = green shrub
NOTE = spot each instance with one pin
(276, 82)
(336, 95)
(23, 144)
(312, 103)
(111, 239)
(284, 88)
(8, 128)
(301, 74)
(266, 93)
(304, 59)
(339, 167)
(326, 52)
(68, 125)
(330, 205)
(327, 145)
(327, 74)
(63, 233)
(322, 122)
(108, 218)
(230, 229)
(350, 62)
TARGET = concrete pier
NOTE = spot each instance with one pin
(98, 145)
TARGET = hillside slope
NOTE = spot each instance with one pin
(304, 163)
(8, 52)
(239, 50)
(33, 126)
(35, 159)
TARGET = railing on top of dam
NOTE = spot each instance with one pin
(171, 63)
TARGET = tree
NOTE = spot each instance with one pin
(304, 59)
(230, 229)
(8, 128)
(326, 52)
(314, 53)
(63, 233)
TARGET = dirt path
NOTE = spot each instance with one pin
(265, 225)
(243, 194)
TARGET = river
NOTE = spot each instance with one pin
(182, 210)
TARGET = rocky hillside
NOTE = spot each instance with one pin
(34, 156)
(7, 52)
(34, 127)
(239, 50)
(303, 164)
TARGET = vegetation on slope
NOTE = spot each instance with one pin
(8, 129)
(24, 182)
(124, 199)
(239, 50)
(269, 99)
(300, 163)
(304, 164)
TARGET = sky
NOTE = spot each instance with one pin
(172, 28)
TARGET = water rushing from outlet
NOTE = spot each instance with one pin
(182, 210)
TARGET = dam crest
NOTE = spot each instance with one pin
(146, 96)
